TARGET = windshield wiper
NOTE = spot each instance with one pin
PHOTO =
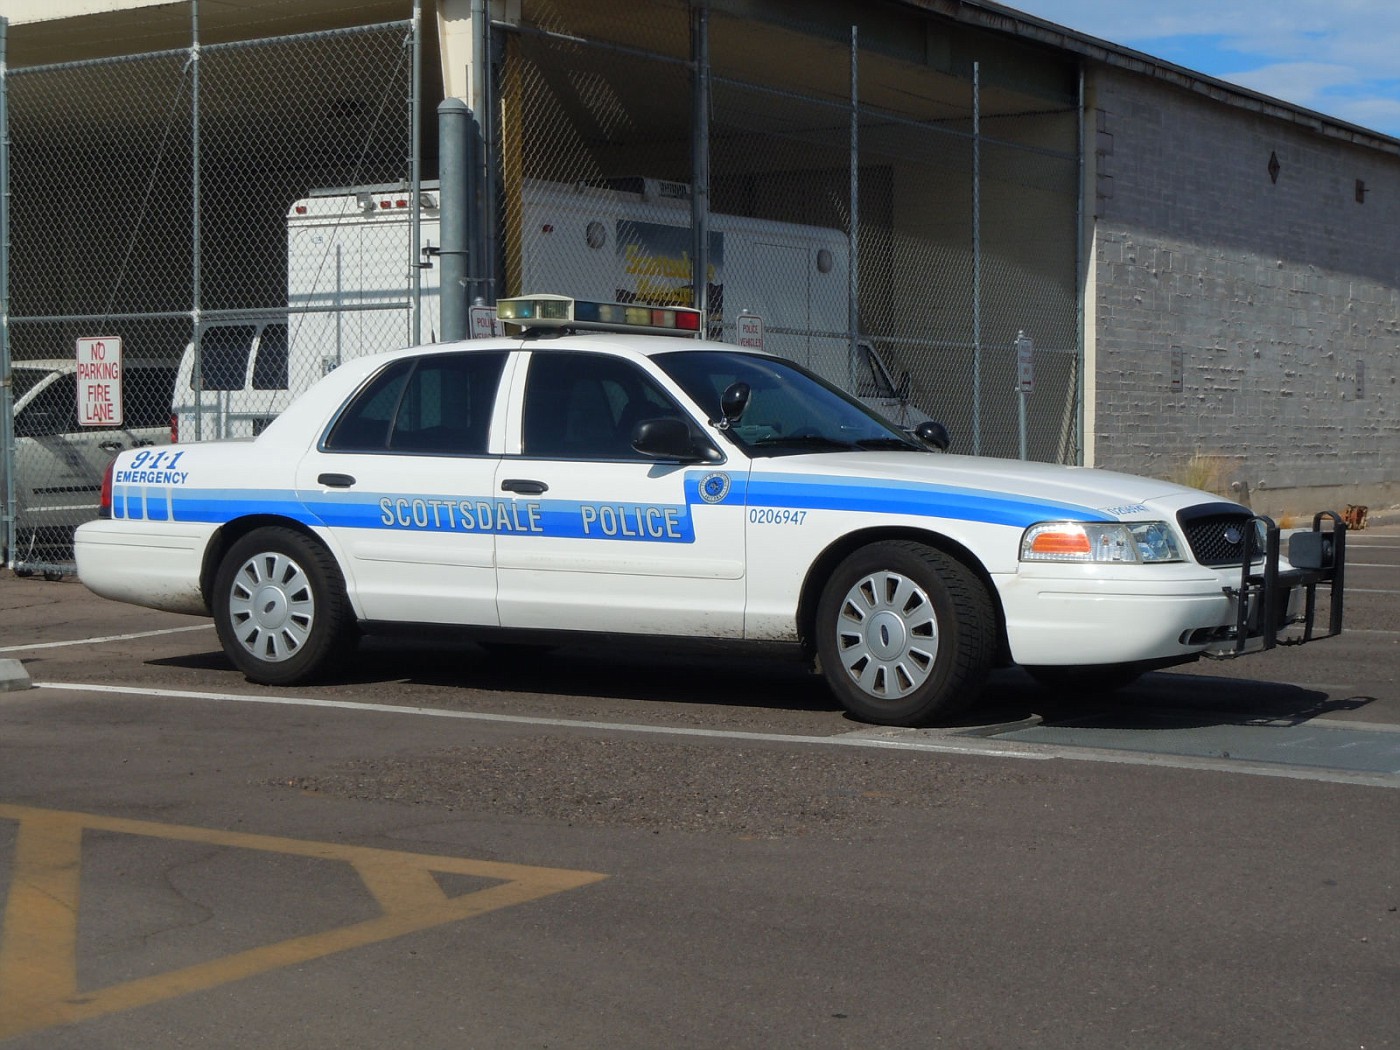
(890, 442)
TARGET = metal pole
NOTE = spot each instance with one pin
(976, 260)
(700, 161)
(481, 279)
(454, 180)
(8, 536)
(1081, 283)
(853, 230)
(415, 177)
(197, 376)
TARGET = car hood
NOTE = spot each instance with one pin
(1008, 491)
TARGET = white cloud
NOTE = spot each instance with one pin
(1340, 57)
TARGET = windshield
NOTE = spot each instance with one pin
(790, 410)
(23, 379)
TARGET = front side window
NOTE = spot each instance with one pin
(436, 404)
(270, 366)
(870, 378)
(584, 406)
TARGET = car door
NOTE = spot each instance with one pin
(403, 478)
(599, 537)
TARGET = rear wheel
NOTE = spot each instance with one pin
(905, 633)
(280, 607)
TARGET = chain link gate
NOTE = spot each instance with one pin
(961, 218)
(297, 151)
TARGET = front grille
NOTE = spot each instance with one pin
(1216, 533)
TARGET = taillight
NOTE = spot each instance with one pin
(174, 428)
(104, 505)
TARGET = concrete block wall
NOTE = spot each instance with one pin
(1246, 303)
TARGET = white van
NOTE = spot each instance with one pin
(242, 382)
(58, 463)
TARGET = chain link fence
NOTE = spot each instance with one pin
(839, 175)
(234, 217)
(241, 218)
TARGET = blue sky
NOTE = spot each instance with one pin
(1338, 57)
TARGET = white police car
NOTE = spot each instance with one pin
(578, 480)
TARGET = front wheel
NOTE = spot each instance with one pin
(905, 633)
(280, 607)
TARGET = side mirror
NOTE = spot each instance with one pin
(732, 403)
(671, 439)
(906, 386)
(935, 434)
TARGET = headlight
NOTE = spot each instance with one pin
(1136, 542)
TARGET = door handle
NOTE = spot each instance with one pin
(524, 486)
(110, 446)
(335, 481)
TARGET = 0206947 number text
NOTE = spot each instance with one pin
(776, 516)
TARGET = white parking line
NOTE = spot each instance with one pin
(105, 638)
(563, 723)
(934, 741)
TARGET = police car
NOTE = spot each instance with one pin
(597, 474)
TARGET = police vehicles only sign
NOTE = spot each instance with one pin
(100, 381)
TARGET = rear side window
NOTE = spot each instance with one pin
(439, 404)
(224, 357)
(270, 366)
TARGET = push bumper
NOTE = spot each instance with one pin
(1276, 606)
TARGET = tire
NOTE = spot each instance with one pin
(280, 607)
(1089, 678)
(905, 634)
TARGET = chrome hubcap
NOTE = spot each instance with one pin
(271, 607)
(887, 635)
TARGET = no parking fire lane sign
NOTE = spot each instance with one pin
(100, 381)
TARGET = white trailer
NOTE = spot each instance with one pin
(350, 264)
(350, 268)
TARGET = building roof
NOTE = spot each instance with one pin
(984, 14)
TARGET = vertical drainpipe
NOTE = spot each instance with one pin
(700, 163)
(456, 205)
(415, 177)
(197, 374)
(7, 417)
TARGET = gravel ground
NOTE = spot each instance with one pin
(759, 792)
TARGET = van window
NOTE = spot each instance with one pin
(270, 366)
(224, 357)
(146, 396)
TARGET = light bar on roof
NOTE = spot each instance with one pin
(559, 311)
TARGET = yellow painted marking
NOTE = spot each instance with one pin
(38, 938)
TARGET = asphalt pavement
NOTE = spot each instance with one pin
(623, 845)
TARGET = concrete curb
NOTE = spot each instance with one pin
(13, 676)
